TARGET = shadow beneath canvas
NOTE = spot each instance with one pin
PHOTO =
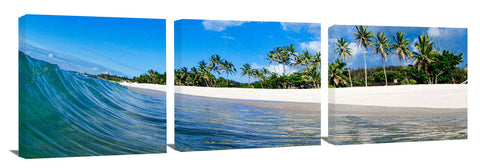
(14, 152)
(171, 146)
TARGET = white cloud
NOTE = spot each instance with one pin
(332, 41)
(256, 66)
(276, 68)
(279, 69)
(220, 25)
(228, 37)
(435, 32)
(412, 46)
(50, 55)
(313, 28)
(445, 32)
(312, 46)
(355, 49)
(289, 26)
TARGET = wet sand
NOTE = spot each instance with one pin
(359, 110)
(357, 124)
(291, 106)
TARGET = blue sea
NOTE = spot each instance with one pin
(214, 124)
(64, 114)
(374, 124)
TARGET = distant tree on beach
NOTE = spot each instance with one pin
(424, 56)
(401, 47)
(228, 68)
(215, 63)
(343, 51)
(336, 73)
(382, 48)
(247, 70)
(364, 40)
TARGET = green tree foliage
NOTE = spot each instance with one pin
(424, 56)
(364, 40)
(344, 52)
(150, 76)
(429, 65)
(306, 76)
(443, 66)
(337, 74)
(382, 48)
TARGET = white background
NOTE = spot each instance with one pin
(458, 13)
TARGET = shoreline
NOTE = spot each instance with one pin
(386, 111)
(427, 96)
(278, 95)
(282, 105)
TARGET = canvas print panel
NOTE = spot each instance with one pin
(71, 98)
(397, 84)
(246, 84)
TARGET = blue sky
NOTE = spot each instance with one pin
(120, 46)
(240, 42)
(453, 39)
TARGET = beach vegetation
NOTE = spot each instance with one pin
(279, 74)
(429, 64)
(364, 40)
(150, 76)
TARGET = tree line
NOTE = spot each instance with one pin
(150, 76)
(307, 74)
(431, 65)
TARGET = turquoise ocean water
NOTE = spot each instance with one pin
(213, 124)
(63, 114)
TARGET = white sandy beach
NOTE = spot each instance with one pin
(290, 95)
(162, 88)
(431, 96)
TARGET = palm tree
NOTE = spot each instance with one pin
(182, 75)
(205, 71)
(317, 60)
(424, 56)
(402, 49)
(291, 52)
(306, 59)
(313, 75)
(193, 77)
(263, 73)
(260, 73)
(382, 48)
(343, 51)
(271, 57)
(284, 57)
(215, 63)
(336, 73)
(274, 56)
(153, 75)
(228, 68)
(364, 40)
(299, 59)
(247, 70)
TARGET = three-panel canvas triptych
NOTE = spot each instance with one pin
(92, 86)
